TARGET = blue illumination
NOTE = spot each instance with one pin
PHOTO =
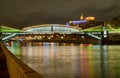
(67, 25)
(79, 22)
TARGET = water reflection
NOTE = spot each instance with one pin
(65, 60)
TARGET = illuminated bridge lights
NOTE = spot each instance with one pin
(57, 31)
(51, 29)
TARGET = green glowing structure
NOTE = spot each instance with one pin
(5, 29)
(110, 28)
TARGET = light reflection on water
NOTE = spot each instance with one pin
(67, 60)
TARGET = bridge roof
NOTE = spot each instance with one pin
(48, 28)
(46, 25)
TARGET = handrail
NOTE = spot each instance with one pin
(16, 68)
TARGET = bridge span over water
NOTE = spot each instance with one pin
(51, 29)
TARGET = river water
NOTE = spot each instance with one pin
(68, 60)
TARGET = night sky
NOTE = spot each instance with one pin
(22, 13)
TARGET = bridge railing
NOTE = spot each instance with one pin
(16, 68)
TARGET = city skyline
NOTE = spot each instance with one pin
(19, 14)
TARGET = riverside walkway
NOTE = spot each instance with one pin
(3, 66)
(12, 67)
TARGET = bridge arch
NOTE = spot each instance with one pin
(52, 28)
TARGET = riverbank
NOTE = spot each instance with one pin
(3, 65)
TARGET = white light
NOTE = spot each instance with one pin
(62, 37)
(82, 37)
(105, 34)
(49, 38)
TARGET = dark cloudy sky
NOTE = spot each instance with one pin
(22, 13)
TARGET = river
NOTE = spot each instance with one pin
(69, 60)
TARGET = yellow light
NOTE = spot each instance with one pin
(70, 22)
(51, 35)
(81, 17)
(49, 38)
(62, 37)
(90, 18)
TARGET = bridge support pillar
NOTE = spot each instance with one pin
(105, 38)
(105, 34)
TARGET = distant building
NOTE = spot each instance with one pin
(90, 19)
(83, 22)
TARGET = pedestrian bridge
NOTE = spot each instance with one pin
(50, 29)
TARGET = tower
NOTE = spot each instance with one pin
(105, 34)
(81, 17)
